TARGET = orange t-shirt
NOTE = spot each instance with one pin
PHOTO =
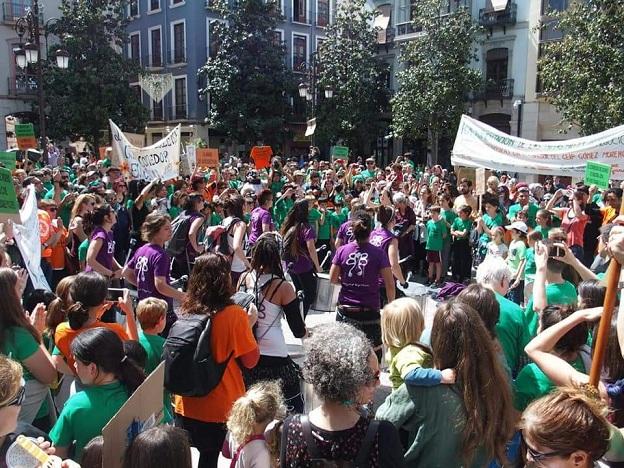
(57, 259)
(230, 333)
(64, 335)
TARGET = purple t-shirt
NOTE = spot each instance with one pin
(303, 263)
(360, 267)
(259, 216)
(106, 253)
(148, 262)
(345, 233)
(381, 238)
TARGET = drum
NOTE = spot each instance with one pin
(326, 295)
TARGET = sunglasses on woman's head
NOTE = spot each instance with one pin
(19, 398)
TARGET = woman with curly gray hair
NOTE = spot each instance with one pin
(343, 370)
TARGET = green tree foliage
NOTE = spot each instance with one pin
(436, 76)
(247, 80)
(347, 62)
(94, 88)
(582, 73)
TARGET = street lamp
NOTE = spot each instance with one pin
(308, 87)
(303, 90)
(29, 54)
(518, 103)
(329, 92)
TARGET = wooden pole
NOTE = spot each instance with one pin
(613, 279)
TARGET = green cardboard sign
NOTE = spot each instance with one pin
(8, 199)
(340, 152)
(24, 130)
(8, 159)
(597, 174)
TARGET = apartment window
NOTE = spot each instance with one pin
(180, 98)
(214, 42)
(157, 110)
(299, 51)
(497, 62)
(550, 31)
(179, 42)
(276, 38)
(154, 5)
(322, 12)
(136, 89)
(299, 11)
(156, 48)
(554, 5)
(135, 47)
(176, 2)
(133, 8)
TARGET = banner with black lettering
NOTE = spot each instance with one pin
(158, 161)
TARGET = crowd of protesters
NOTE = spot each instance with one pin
(500, 378)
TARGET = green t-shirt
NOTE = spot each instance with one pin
(556, 293)
(403, 360)
(529, 267)
(532, 211)
(324, 229)
(86, 413)
(153, 345)
(276, 187)
(517, 253)
(215, 219)
(314, 216)
(448, 216)
(491, 223)
(532, 384)
(64, 212)
(82, 250)
(462, 225)
(435, 235)
(368, 174)
(543, 231)
(174, 211)
(510, 331)
(235, 184)
(19, 345)
(281, 209)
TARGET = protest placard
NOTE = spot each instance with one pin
(25, 134)
(8, 199)
(339, 152)
(597, 174)
(481, 177)
(261, 156)
(8, 159)
(207, 157)
(160, 161)
(144, 409)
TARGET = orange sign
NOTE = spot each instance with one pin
(207, 157)
(261, 156)
(25, 143)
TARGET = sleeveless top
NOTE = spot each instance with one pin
(237, 264)
(269, 331)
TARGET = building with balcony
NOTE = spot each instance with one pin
(507, 59)
(176, 36)
(18, 89)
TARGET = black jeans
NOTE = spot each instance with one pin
(206, 437)
(307, 283)
(462, 260)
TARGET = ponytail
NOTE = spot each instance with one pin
(361, 227)
(102, 347)
(77, 315)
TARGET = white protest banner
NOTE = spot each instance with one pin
(158, 161)
(479, 145)
(28, 241)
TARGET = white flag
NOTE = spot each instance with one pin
(28, 241)
(158, 161)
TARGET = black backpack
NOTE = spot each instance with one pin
(180, 228)
(316, 458)
(217, 238)
(190, 367)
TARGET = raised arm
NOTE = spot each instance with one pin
(539, 287)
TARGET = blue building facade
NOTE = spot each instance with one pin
(174, 36)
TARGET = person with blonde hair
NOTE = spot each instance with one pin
(246, 443)
(567, 429)
(402, 323)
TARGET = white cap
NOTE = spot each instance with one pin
(518, 226)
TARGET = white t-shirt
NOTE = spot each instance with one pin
(254, 455)
(496, 250)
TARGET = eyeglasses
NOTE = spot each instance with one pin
(539, 457)
(52, 208)
(19, 398)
